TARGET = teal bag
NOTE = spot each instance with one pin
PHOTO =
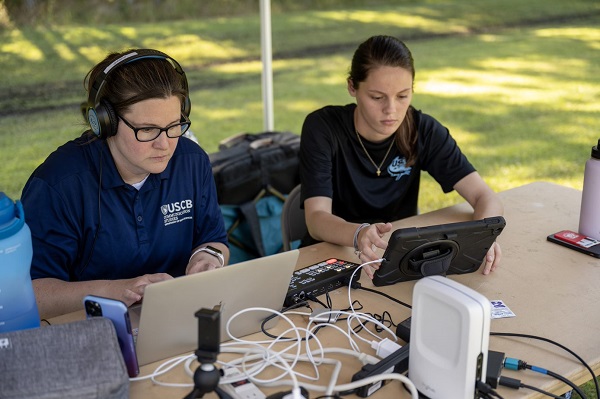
(253, 228)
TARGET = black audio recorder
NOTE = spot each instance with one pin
(320, 278)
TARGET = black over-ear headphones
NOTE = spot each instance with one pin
(101, 115)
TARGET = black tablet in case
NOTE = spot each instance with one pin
(452, 248)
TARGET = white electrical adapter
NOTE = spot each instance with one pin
(449, 336)
(241, 389)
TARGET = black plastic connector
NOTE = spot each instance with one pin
(510, 382)
(396, 362)
(403, 330)
(495, 363)
(282, 395)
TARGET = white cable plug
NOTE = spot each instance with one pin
(385, 347)
(295, 394)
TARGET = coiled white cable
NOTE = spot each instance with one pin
(257, 355)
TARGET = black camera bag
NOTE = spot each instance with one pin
(253, 174)
(248, 163)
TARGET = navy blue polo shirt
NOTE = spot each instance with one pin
(81, 231)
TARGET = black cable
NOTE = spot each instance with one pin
(313, 298)
(383, 320)
(356, 305)
(348, 392)
(518, 364)
(486, 390)
(516, 384)
(328, 306)
(329, 302)
(391, 298)
(558, 377)
(501, 334)
(541, 391)
(272, 316)
(294, 306)
(380, 318)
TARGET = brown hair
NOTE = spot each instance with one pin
(388, 51)
(137, 81)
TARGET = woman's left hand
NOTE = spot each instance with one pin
(202, 262)
(492, 258)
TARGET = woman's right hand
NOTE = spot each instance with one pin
(368, 241)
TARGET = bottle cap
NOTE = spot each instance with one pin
(12, 216)
(596, 150)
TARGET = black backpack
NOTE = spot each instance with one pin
(253, 174)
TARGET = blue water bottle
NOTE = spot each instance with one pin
(18, 309)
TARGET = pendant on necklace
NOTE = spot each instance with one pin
(369, 156)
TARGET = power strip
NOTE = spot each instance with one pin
(318, 279)
(396, 362)
(242, 389)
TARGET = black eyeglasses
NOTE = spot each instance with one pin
(149, 133)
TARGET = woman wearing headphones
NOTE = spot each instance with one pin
(130, 202)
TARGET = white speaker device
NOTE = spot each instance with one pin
(449, 336)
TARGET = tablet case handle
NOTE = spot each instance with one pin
(429, 264)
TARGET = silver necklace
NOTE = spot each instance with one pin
(369, 156)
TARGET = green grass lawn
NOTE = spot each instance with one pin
(516, 82)
(521, 98)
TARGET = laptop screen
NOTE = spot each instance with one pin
(167, 325)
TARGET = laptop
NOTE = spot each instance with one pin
(167, 323)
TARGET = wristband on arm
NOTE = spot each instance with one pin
(212, 251)
(357, 251)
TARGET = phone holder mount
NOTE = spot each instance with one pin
(207, 375)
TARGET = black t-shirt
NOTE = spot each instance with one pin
(333, 164)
